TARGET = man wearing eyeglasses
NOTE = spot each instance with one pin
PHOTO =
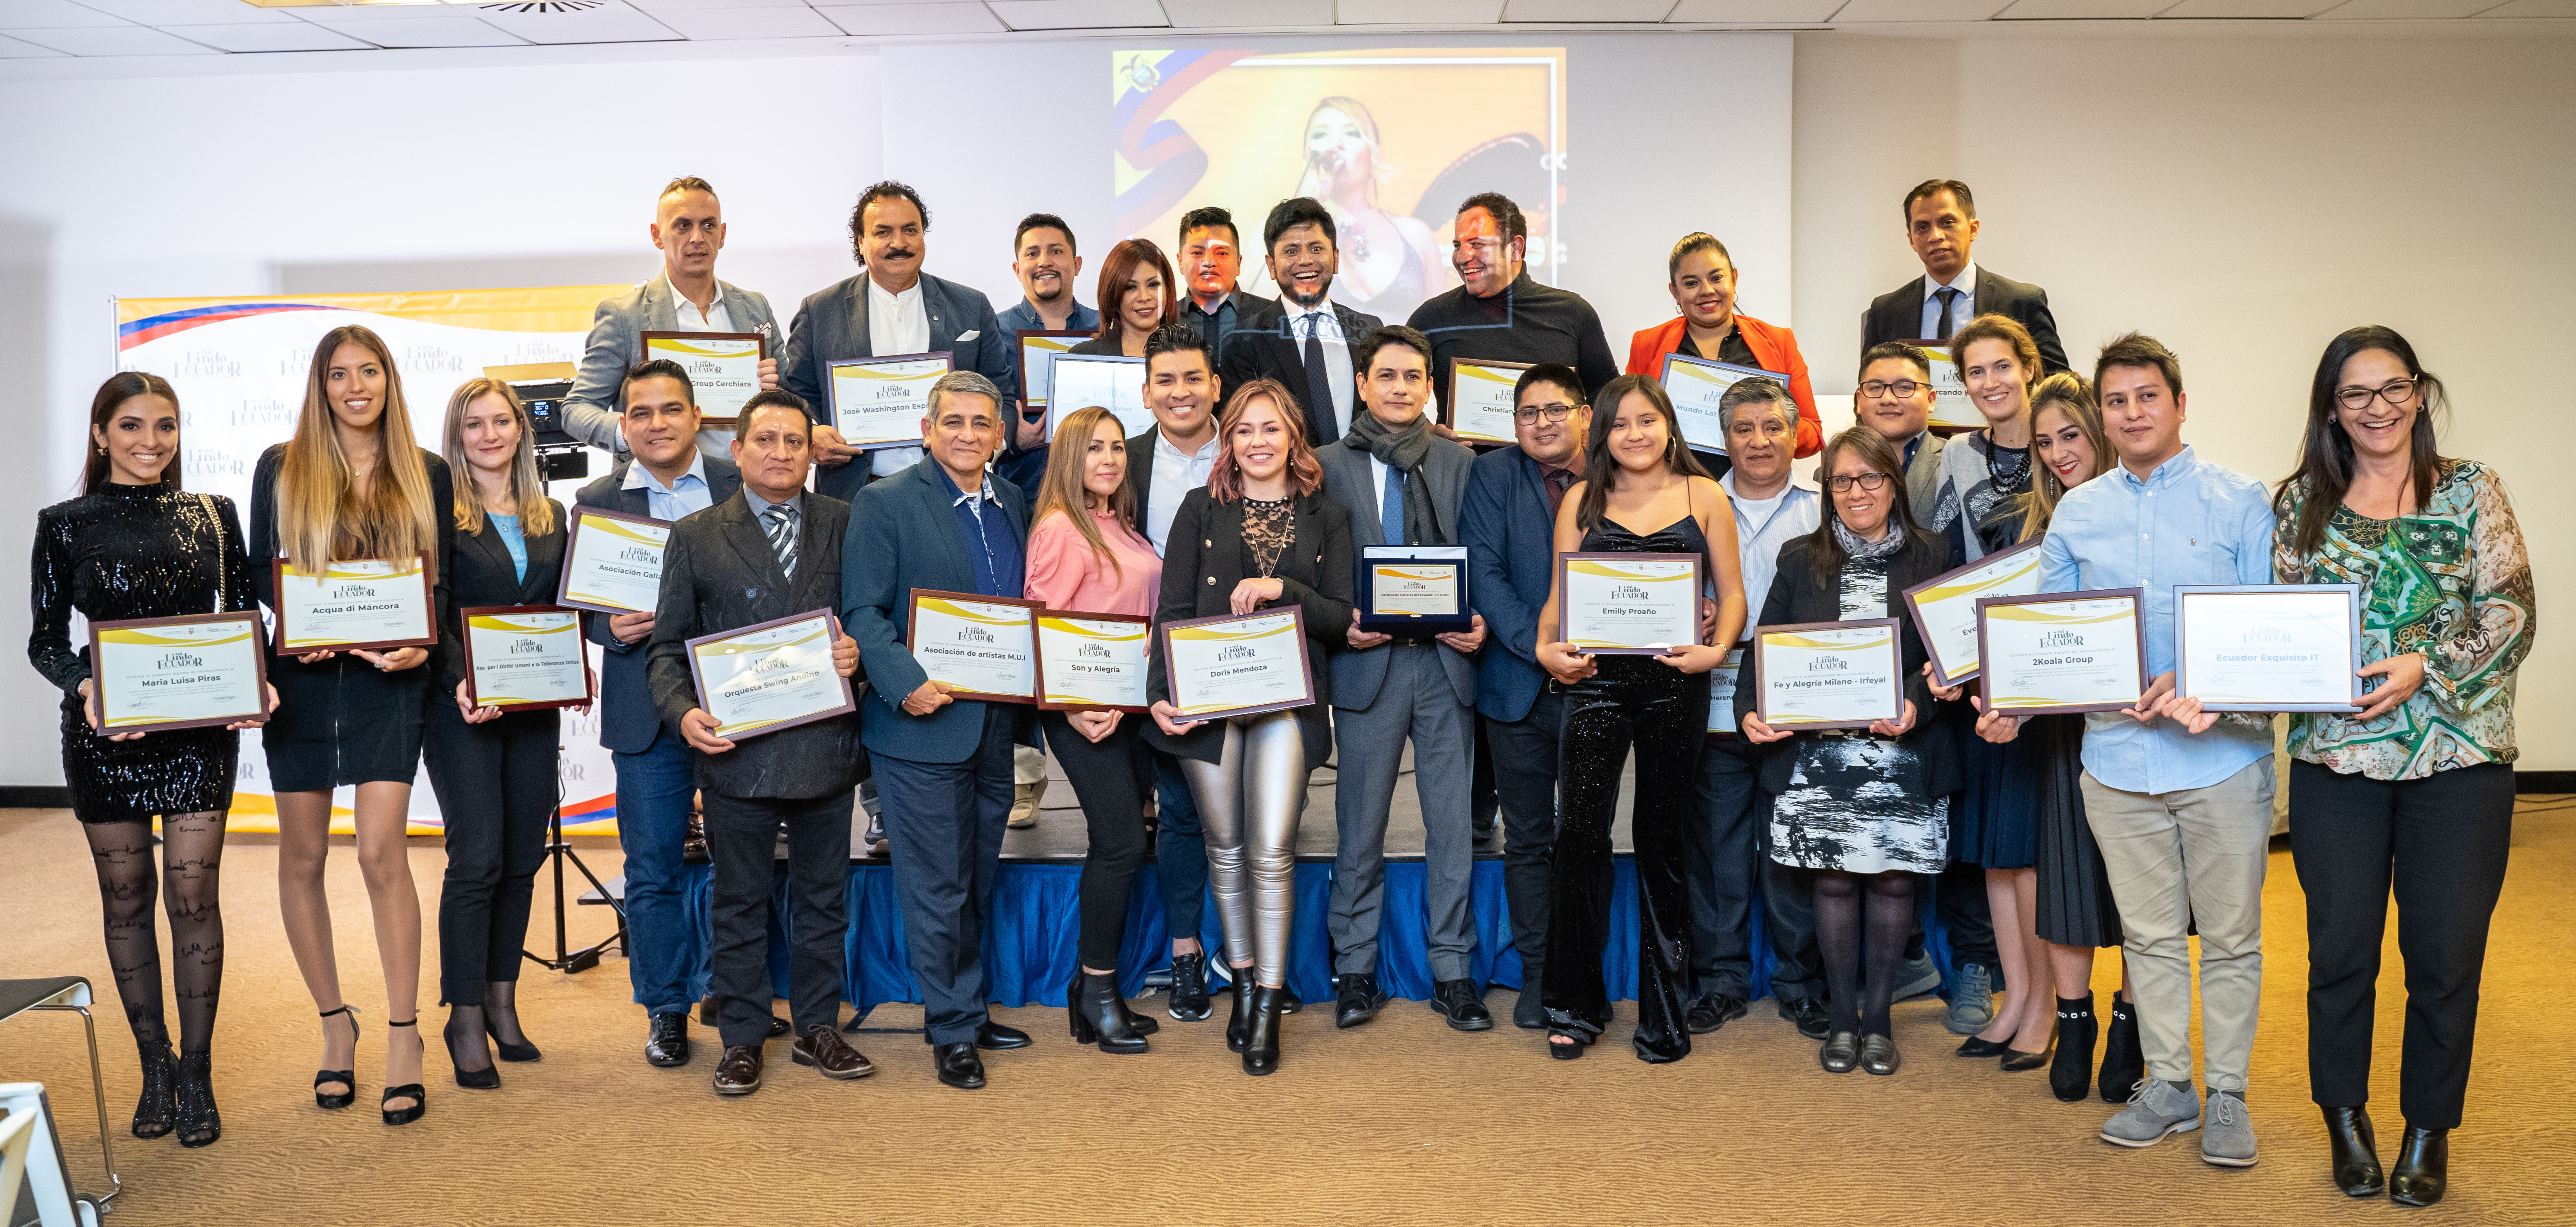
(1499, 313)
(1895, 399)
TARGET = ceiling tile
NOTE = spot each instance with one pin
(14, 49)
(1919, 10)
(42, 14)
(2029, 10)
(1586, 10)
(660, 5)
(887, 19)
(2248, 8)
(186, 12)
(1804, 12)
(2533, 8)
(334, 14)
(796, 22)
(1078, 14)
(2366, 10)
(288, 35)
(535, 21)
(447, 31)
(115, 40)
(1266, 14)
(1417, 12)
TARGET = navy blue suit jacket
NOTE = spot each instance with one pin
(628, 721)
(832, 324)
(904, 535)
(1511, 554)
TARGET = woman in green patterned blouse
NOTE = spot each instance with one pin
(2417, 787)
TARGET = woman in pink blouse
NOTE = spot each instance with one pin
(1086, 555)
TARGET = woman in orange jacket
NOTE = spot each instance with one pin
(1703, 286)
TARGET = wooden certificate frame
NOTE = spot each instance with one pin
(259, 666)
(1895, 674)
(1305, 661)
(2138, 622)
(698, 679)
(428, 600)
(912, 638)
(709, 420)
(1941, 675)
(1565, 561)
(2182, 659)
(465, 632)
(1037, 646)
(1450, 405)
(572, 538)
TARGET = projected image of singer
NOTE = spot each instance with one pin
(1390, 263)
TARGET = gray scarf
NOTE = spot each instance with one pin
(1857, 548)
(1402, 448)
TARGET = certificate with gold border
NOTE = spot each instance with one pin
(613, 562)
(1828, 675)
(1951, 408)
(1639, 604)
(980, 647)
(376, 604)
(1480, 399)
(148, 675)
(1092, 662)
(879, 402)
(770, 675)
(2062, 652)
(1945, 606)
(1238, 665)
(723, 367)
(525, 657)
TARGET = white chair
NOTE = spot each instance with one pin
(29, 1156)
(71, 994)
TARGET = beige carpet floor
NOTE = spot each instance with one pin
(1398, 1121)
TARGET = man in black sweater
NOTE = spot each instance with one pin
(1498, 313)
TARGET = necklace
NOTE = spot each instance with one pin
(2007, 481)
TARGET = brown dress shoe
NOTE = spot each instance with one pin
(739, 1072)
(824, 1049)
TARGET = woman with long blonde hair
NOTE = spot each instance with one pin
(1390, 262)
(351, 485)
(494, 771)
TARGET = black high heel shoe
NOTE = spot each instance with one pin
(487, 1078)
(345, 1077)
(1239, 1024)
(503, 994)
(153, 1110)
(1097, 1016)
(2073, 1068)
(199, 1123)
(413, 1091)
(1261, 1038)
(2423, 1167)
(2356, 1152)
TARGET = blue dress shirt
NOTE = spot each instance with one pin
(2186, 523)
(513, 539)
(999, 567)
(689, 493)
(1023, 317)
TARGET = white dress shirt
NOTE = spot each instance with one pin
(1962, 309)
(1337, 353)
(1176, 473)
(897, 324)
(687, 493)
(1761, 528)
(714, 319)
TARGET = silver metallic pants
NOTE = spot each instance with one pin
(1249, 801)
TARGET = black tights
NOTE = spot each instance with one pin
(1859, 1003)
(191, 880)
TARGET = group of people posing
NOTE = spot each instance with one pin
(1288, 435)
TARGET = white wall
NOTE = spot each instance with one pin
(2243, 202)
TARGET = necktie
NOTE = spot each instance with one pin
(780, 522)
(1941, 329)
(1390, 512)
(1558, 481)
(1319, 382)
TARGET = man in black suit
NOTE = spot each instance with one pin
(664, 476)
(1304, 340)
(1500, 313)
(1210, 260)
(767, 553)
(1941, 224)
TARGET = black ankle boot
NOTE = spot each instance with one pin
(154, 1114)
(198, 1122)
(2356, 1152)
(2423, 1166)
(1239, 1025)
(2124, 1062)
(1098, 1015)
(2076, 1031)
(1261, 1038)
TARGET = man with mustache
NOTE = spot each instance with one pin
(1210, 261)
(1499, 313)
(1941, 225)
(1045, 261)
(1304, 339)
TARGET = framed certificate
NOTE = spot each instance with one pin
(879, 402)
(1951, 408)
(1092, 662)
(770, 676)
(1721, 691)
(1112, 381)
(1696, 385)
(2062, 652)
(523, 657)
(2269, 647)
(1238, 664)
(1414, 590)
(724, 368)
(1480, 399)
(1945, 606)
(371, 603)
(1038, 349)
(1829, 675)
(612, 562)
(148, 675)
(983, 647)
(1631, 604)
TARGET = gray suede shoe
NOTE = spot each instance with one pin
(2229, 1139)
(2155, 1109)
(1972, 1000)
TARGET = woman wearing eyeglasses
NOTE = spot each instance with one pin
(2417, 787)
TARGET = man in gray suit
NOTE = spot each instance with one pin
(1402, 485)
(688, 225)
(1895, 399)
(890, 308)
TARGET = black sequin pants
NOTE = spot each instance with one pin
(1632, 700)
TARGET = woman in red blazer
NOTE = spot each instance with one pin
(1703, 286)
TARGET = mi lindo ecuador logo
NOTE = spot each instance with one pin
(179, 660)
(1630, 592)
(1235, 651)
(1827, 663)
(2267, 635)
(1092, 649)
(975, 634)
(2053, 641)
(523, 646)
(351, 592)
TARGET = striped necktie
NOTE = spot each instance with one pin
(780, 523)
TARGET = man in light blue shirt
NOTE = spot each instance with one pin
(2179, 799)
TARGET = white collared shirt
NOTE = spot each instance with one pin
(1176, 473)
(1337, 352)
(1761, 528)
(897, 324)
(687, 493)
(1962, 309)
(714, 319)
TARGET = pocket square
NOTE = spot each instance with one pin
(969, 335)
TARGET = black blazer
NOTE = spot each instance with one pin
(1266, 346)
(628, 722)
(1202, 562)
(719, 574)
(1797, 597)
(1898, 314)
(479, 574)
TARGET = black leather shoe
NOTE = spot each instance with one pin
(2356, 1152)
(1239, 1023)
(1189, 988)
(2423, 1166)
(1808, 1013)
(1712, 1012)
(825, 1050)
(959, 1066)
(1096, 1015)
(994, 1037)
(1984, 1050)
(1841, 1052)
(1456, 1000)
(1360, 999)
(1527, 1013)
(1878, 1054)
(738, 1072)
(666, 1046)
(1261, 1038)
